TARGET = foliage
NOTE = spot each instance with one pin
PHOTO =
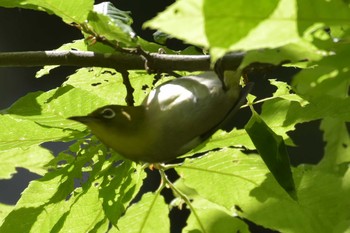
(88, 188)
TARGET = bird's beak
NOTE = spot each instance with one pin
(82, 119)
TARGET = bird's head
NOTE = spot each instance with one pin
(113, 121)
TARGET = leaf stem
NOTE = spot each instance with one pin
(166, 182)
(262, 101)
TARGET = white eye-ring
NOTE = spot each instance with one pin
(108, 113)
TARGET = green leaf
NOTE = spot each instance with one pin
(147, 215)
(328, 13)
(222, 139)
(86, 189)
(4, 210)
(325, 87)
(35, 207)
(111, 23)
(184, 20)
(232, 172)
(86, 209)
(26, 133)
(325, 106)
(285, 101)
(329, 76)
(238, 25)
(284, 92)
(244, 187)
(161, 37)
(34, 158)
(108, 84)
(120, 17)
(41, 117)
(337, 150)
(211, 218)
(273, 151)
(230, 25)
(277, 120)
(119, 192)
(296, 54)
(70, 11)
(323, 196)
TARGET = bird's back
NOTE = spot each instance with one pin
(182, 110)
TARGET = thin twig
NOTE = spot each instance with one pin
(129, 99)
(167, 182)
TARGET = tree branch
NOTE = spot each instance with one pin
(160, 62)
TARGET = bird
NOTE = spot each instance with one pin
(174, 117)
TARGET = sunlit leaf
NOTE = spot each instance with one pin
(184, 20)
(34, 158)
(209, 217)
(337, 150)
(148, 215)
(72, 191)
(70, 11)
(244, 186)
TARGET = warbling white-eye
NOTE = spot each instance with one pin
(174, 118)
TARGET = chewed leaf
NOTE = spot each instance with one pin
(111, 23)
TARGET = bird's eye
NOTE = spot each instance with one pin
(108, 113)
